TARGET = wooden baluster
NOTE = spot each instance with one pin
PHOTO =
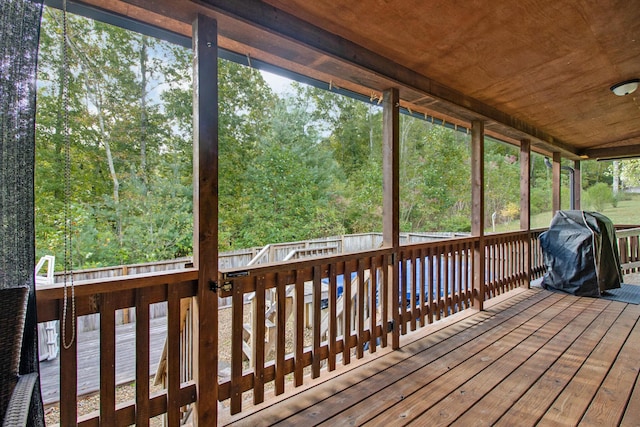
(500, 249)
(298, 339)
(423, 286)
(346, 314)
(493, 271)
(403, 293)
(430, 283)
(413, 290)
(384, 299)
(373, 306)
(333, 298)
(459, 266)
(173, 356)
(496, 267)
(317, 320)
(107, 360)
(453, 276)
(394, 287)
(446, 283)
(513, 263)
(497, 247)
(281, 319)
(359, 348)
(504, 258)
(438, 281)
(237, 329)
(257, 340)
(504, 265)
(460, 275)
(502, 246)
(469, 273)
(142, 358)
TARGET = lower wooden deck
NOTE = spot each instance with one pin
(536, 358)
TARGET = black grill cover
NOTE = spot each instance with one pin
(581, 254)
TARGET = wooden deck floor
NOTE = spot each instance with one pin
(536, 358)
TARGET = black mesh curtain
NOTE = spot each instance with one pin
(19, 33)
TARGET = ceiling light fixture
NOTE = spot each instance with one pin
(626, 87)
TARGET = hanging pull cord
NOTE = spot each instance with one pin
(68, 255)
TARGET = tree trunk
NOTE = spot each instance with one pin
(616, 178)
(143, 112)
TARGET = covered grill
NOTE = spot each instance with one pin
(580, 254)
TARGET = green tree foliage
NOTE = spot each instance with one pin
(352, 132)
(598, 196)
(290, 182)
(594, 172)
(293, 166)
(502, 181)
(435, 183)
(630, 172)
(124, 162)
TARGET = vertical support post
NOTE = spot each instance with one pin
(556, 182)
(577, 185)
(477, 210)
(205, 212)
(391, 199)
(525, 206)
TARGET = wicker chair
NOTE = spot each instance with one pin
(15, 389)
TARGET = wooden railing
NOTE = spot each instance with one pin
(293, 353)
(327, 311)
(105, 298)
(629, 249)
(506, 258)
(536, 259)
(391, 293)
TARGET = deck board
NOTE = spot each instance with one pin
(442, 400)
(610, 401)
(571, 404)
(537, 358)
(533, 403)
(489, 394)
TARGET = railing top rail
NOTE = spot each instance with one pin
(539, 230)
(435, 243)
(628, 232)
(625, 226)
(510, 235)
(118, 283)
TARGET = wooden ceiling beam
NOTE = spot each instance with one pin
(623, 152)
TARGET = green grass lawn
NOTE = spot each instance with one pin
(626, 213)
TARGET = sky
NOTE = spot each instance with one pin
(279, 84)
